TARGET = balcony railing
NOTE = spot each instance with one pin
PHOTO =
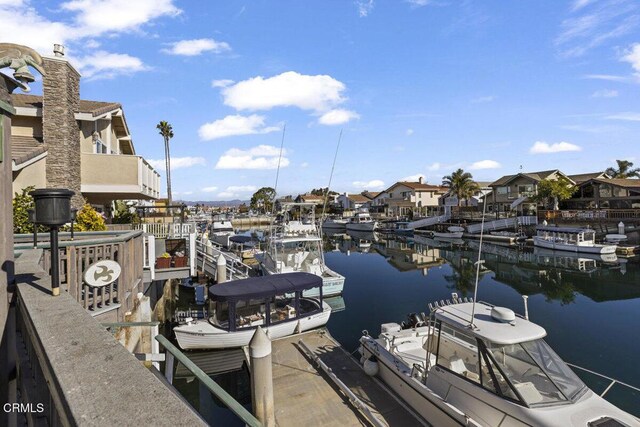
(125, 175)
(591, 214)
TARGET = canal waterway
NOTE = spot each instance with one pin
(590, 306)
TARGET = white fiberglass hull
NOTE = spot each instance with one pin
(202, 335)
(448, 235)
(561, 246)
(338, 225)
(362, 226)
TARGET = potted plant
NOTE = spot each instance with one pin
(179, 260)
(163, 261)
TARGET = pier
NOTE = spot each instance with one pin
(305, 395)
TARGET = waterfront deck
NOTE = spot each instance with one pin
(304, 395)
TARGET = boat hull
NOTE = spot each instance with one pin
(448, 235)
(362, 226)
(560, 246)
(202, 335)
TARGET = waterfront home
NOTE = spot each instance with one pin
(352, 202)
(603, 193)
(405, 198)
(310, 198)
(449, 199)
(62, 141)
(583, 177)
(514, 192)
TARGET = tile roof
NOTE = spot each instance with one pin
(580, 178)
(621, 182)
(95, 108)
(25, 148)
(535, 176)
(371, 194)
(420, 186)
(358, 198)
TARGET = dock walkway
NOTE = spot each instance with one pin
(305, 396)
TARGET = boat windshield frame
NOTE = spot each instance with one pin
(500, 378)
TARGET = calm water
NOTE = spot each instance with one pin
(589, 307)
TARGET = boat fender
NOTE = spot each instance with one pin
(371, 367)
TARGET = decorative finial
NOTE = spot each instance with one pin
(19, 58)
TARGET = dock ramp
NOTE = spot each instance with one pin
(502, 224)
(426, 222)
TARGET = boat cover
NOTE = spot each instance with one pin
(261, 287)
(240, 239)
(564, 229)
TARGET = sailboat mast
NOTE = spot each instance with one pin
(479, 262)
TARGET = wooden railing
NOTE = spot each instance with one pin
(164, 230)
(75, 256)
(590, 215)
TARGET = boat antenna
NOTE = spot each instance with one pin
(479, 262)
(326, 196)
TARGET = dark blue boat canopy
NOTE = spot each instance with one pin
(240, 239)
(265, 286)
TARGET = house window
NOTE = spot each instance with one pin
(525, 190)
(503, 190)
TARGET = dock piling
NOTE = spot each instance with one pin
(221, 269)
(262, 378)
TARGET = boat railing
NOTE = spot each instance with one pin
(173, 353)
(612, 383)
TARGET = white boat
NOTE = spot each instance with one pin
(237, 308)
(221, 230)
(496, 370)
(361, 221)
(570, 239)
(296, 246)
(335, 223)
(453, 232)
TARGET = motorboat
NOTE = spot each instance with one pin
(453, 232)
(296, 246)
(570, 239)
(221, 230)
(335, 223)
(275, 303)
(473, 364)
(361, 221)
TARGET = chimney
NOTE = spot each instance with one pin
(60, 103)
(420, 180)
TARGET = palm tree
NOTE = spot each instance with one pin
(624, 170)
(166, 131)
(461, 184)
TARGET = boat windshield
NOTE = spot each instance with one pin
(536, 372)
(299, 255)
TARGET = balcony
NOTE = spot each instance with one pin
(106, 177)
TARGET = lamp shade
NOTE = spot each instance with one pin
(53, 206)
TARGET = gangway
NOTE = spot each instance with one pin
(425, 222)
(207, 257)
(502, 224)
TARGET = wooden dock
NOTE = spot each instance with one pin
(305, 396)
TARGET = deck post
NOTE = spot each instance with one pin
(221, 269)
(262, 378)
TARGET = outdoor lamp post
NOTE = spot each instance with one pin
(74, 214)
(53, 209)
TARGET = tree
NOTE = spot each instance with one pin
(624, 170)
(124, 214)
(262, 199)
(552, 191)
(88, 219)
(166, 131)
(461, 185)
(22, 203)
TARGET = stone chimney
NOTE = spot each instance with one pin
(60, 102)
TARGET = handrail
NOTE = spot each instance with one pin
(613, 380)
(210, 384)
(119, 237)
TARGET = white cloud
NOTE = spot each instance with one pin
(541, 147)
(434, 167)
(419, 3)
(579, 4)
(178, 162)
(610, 78)
(196, 47)
(227, 195)
(235, 125)
(84, 22)
(485, 164)
(371, 185)
(187, 193)
(209, 189)
(409, 132)
(605, 93)
(236, 191)
(413, 178)
(106, 65)
(632, 56)
(290, 89)
(628, 116)
(260, 157)
(337, 117)
(221, 83)
(364, 7)
(483, 99)
(304, 165)
(242, 188)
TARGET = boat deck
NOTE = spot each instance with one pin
(305, 395)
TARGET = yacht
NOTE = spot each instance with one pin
(570, 239)
(453, 232)
(335, 223)
(237, 308)
(361, 221)
(296, 246)
(221, 230)
(474, 364)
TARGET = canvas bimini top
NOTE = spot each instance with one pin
(264, 286)
(487, 327)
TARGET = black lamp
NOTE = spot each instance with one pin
(74, 214)
(53, 209)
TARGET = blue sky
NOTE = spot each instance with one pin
(418, 87)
